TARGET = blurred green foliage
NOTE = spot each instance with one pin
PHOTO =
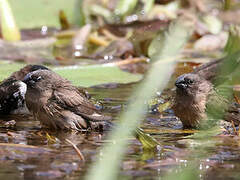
(111, 154)
(9, 29)
(32, 14)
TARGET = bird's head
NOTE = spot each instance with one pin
(192, 84)
(36, 79)
(19, 75)
(42, 80)
(36, 67)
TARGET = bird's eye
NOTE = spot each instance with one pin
(39, 78)
(189, 81)
(36, 79)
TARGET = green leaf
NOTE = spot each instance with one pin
(148, 142)
(9, 29)
(37, 13)
(91, 75)
(86, 76)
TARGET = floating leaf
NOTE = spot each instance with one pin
(148, 142)
(89, 75)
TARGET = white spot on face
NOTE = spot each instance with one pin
(22, 88)
(22, 109)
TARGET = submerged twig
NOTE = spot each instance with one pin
(76, 149)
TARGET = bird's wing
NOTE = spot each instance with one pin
(59, 118)
(73, 100)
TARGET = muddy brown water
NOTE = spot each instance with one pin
(37, 157)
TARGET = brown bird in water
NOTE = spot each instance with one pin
(196, 96)
(12, 91)
(57, 104)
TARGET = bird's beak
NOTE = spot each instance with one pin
(28, 80)
(180, 83)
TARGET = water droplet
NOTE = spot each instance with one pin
(44, 30)
(78, 47)
(77, 53)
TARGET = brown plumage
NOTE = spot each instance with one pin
(195, 94)
(57, 104)
(12, 91)
(191, 97)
